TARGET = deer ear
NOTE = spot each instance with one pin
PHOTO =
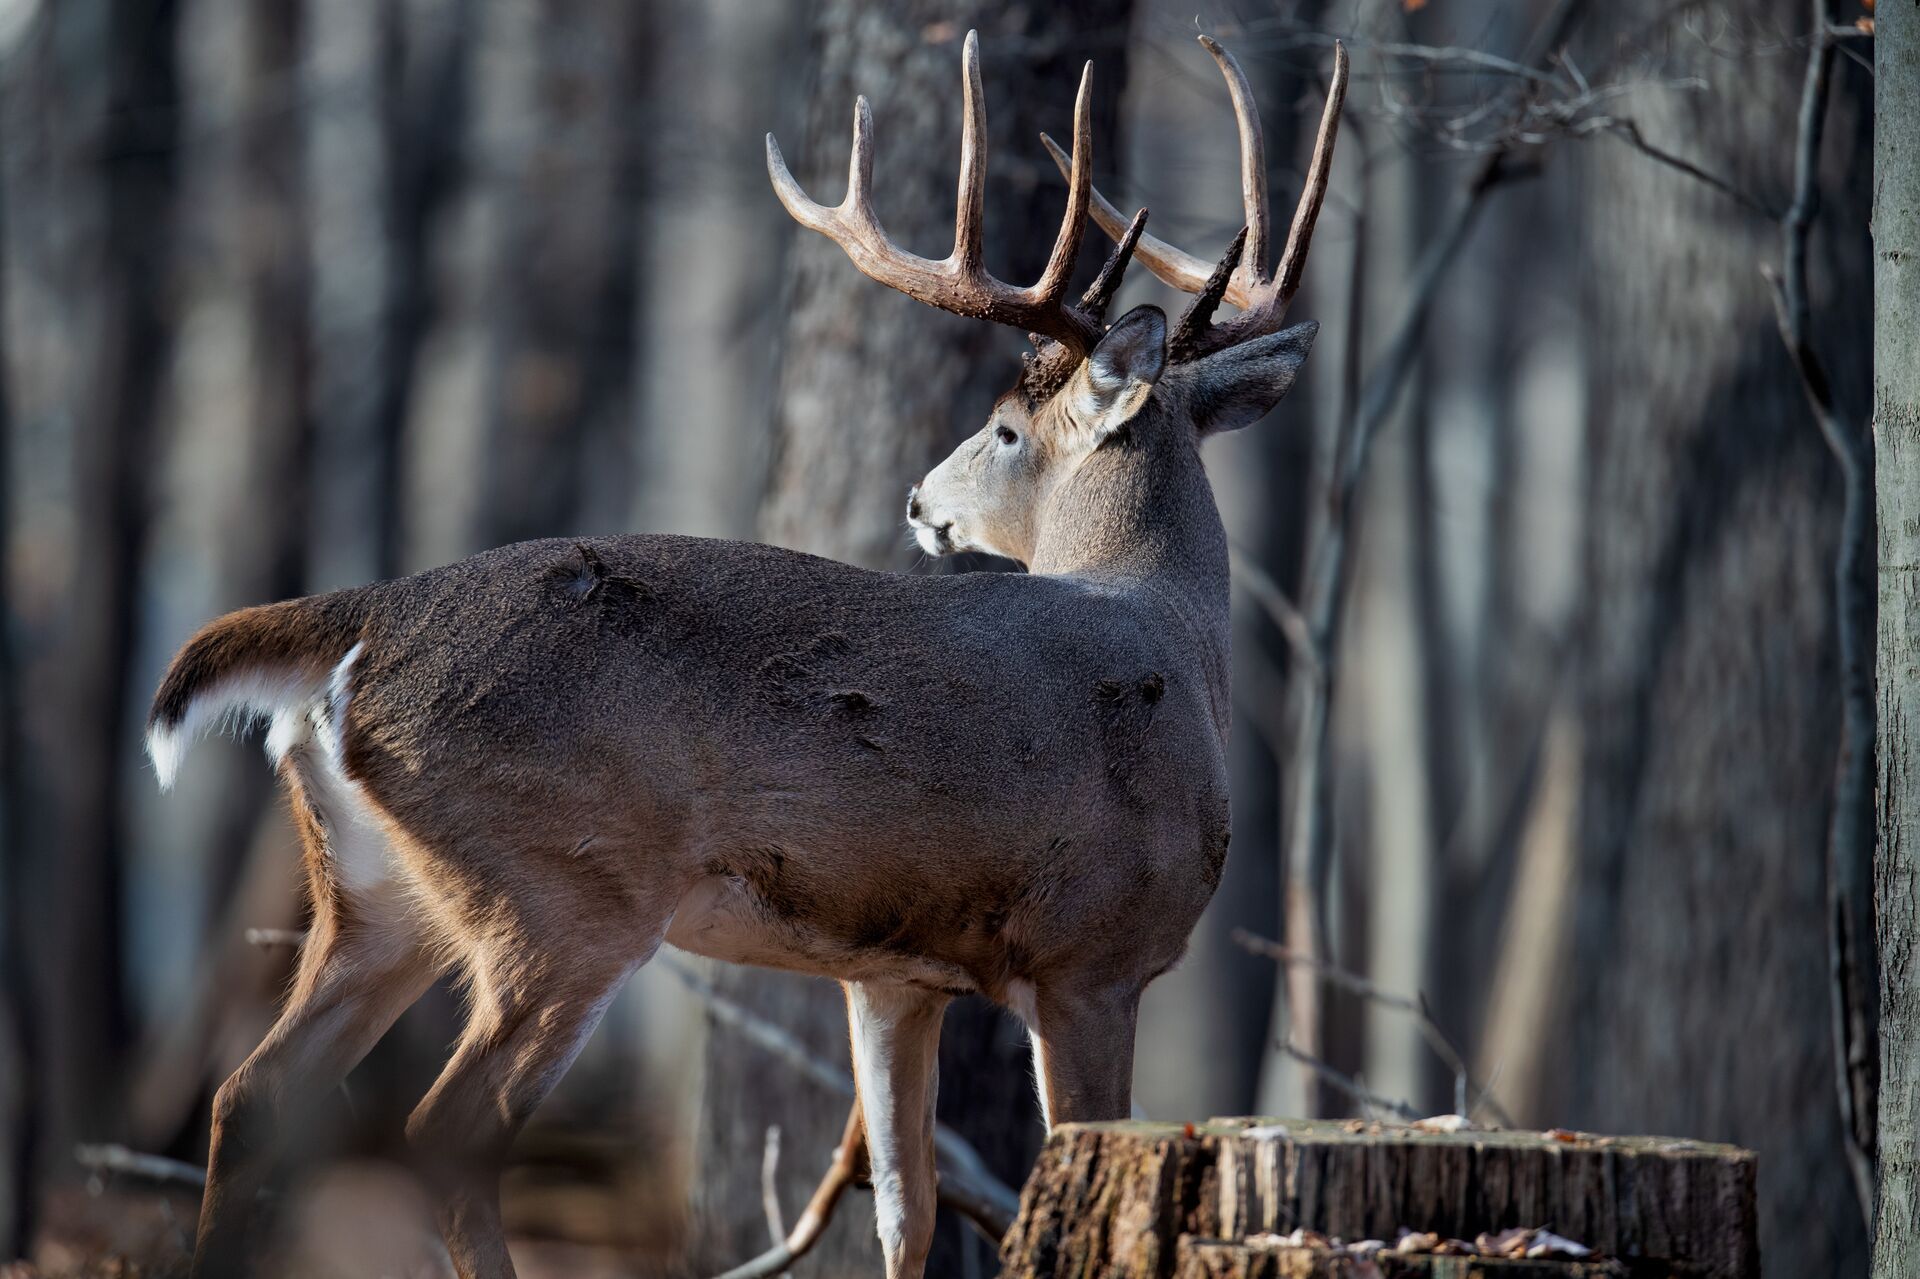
(1240, 385)
(1112, 383)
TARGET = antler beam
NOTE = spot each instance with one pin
(960, 283)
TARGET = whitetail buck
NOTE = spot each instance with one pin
(536, 765)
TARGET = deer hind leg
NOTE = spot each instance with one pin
(896, 1053)
(1082, 1033)
(361, 966)
(539, 985)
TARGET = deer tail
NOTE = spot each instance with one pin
(277, 661)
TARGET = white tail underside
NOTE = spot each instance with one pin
(298, 704)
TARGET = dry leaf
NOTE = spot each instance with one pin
(1548, 1246)
(1865, 24)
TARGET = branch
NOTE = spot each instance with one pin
(1417, 1008)
(769, 1185)
(848, 1167)
(114, 1160)
(1851, 958)
(1629, 132)
(1352, 1087)
(967, 1185)
(1281, 611)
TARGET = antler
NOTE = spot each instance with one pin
(960, 283)
(1262, 297)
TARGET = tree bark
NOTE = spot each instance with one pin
(1123, 1199)
(873, 388)
(1707, 679)
(1896, 431)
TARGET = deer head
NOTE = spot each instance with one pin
(1010, 489)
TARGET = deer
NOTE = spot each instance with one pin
(534, 767)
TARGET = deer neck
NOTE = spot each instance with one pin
(1142, 519)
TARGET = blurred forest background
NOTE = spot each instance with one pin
(301, 294)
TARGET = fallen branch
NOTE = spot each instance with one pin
(848, 1167)
(118, 1161)
(967, 1185)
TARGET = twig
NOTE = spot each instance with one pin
(1629, 132)
(1851, 957)
(1283, 612)
(770, 1186)
(967, 1185)
(758, 1030)
(1352, 1087)
(266, 938)
(848, 1167)
(1416, 1007)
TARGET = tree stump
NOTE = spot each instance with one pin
(1154, 1201)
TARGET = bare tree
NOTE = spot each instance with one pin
(872, 389)
(1697, 993)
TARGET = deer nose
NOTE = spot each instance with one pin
(913, 502)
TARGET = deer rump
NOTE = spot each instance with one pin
(823, 768)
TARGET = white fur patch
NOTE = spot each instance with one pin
(236, 702)
(873, 1067)
(1025, 1002)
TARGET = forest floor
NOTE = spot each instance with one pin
(356, 1220)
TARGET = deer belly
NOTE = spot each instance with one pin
(722, 917)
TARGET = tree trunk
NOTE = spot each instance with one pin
(562, 291)
(1698, 999)
(1896, 431)
(873, 388)
(1128, 1199)
(125, 159)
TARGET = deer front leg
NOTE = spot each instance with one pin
(896, 1040)
(1082, 1036)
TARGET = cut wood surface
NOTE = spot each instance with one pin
(1271, 1259)
(1125, 1199)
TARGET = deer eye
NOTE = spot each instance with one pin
(1007, 435)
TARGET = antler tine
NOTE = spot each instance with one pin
(1099, 295)
(1253, 163)
(1189, 335)
(960, 283)
(1066, 246)
(970, 211)
(1293, 259)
